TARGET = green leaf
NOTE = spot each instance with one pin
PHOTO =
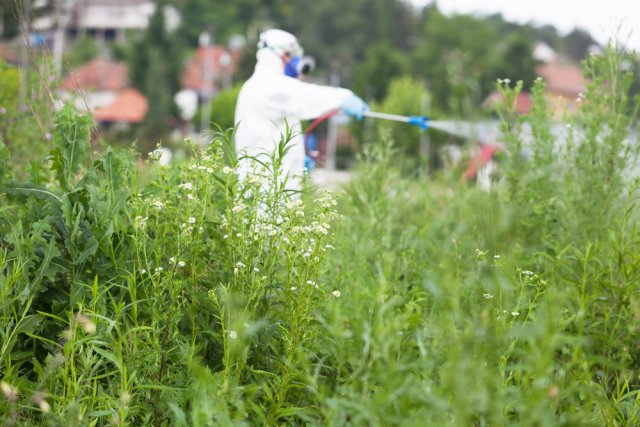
(28, 190)
(71, 138)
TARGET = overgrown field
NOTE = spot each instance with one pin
(181, 295)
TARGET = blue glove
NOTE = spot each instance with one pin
(355, 107)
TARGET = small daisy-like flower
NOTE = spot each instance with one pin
(487, 296)
(496, 257)
(225, 237)
(191, 220)
(227, 170)
(181, 263)
(293, 288)
(144, 271)
(172, 260)
(336, 293)
(186, 186)
(515, 313)
(209, 170)
(233, 334)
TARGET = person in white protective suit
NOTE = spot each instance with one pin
(274, 98)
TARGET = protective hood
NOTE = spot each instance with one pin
(280, 42)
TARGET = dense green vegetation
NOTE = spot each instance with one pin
(181, 295)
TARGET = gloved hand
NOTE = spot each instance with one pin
(355, 106)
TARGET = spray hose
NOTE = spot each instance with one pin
(421, 121)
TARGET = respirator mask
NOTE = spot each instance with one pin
(299, 65)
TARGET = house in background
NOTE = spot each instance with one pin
(101, 87)
(104, 20)
(565, 84)
(564, 80)
(210, 69)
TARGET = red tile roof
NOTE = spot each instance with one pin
(522, 102)
(561, 78)
(129, 107)
(98, 74)
(193, 74)
(8, 54)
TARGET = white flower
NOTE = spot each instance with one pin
(240, 265)
(336, 293)
(209, 170)
(191, 220)
(181, 263)
(10, 392)
(186, 186)
(487, 296)
(233, 334)
(172, 260)
(44, 406)
(227, 170)
(226, 236)
(238, 208)
(293, 288)
(496, 257)
(515, 313)
(144, 271)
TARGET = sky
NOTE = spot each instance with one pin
(601, 18)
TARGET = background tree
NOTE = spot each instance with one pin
(382, 64)
(461, 43)
(577, 44)
(9, 22)
(155, 63)
(516, 53)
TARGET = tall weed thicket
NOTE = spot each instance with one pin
(513, 307)
(189, 296)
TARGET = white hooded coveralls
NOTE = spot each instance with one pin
(270, 100)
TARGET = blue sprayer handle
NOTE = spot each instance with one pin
(420, 121)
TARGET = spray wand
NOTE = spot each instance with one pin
(421, 121)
